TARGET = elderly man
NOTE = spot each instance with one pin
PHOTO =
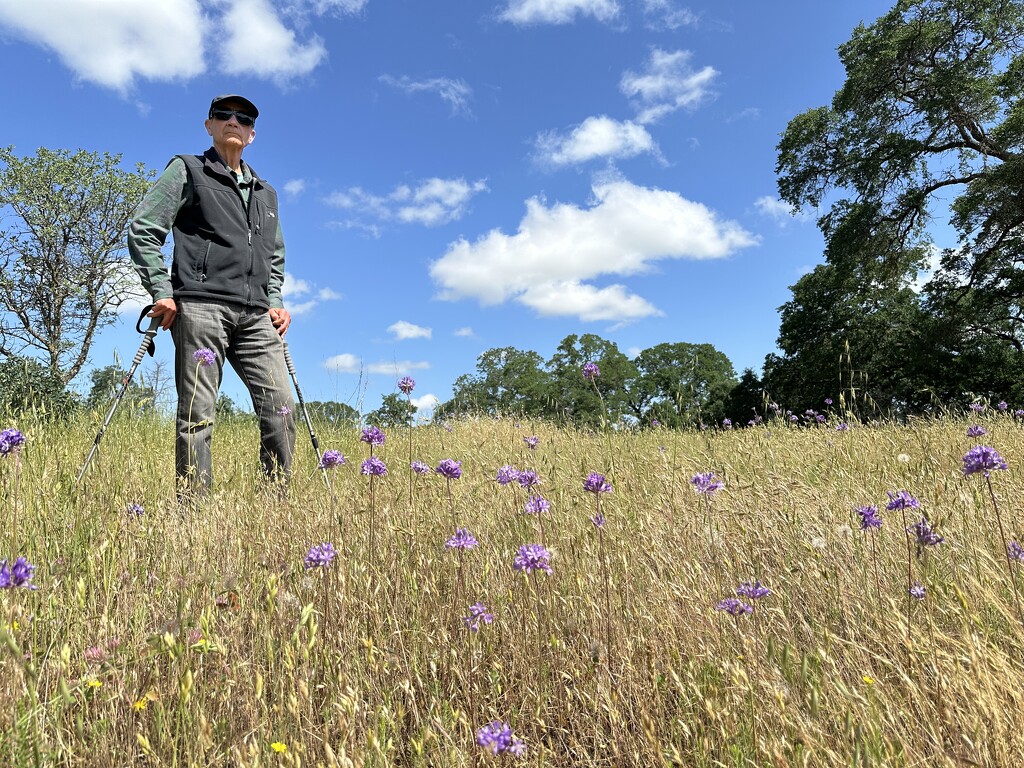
(222, 297)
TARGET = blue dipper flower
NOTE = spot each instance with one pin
(869, 517)
(331, 459)
(320, 555)
(11, 441)
(477, 613)
(406, 384)
(373, 466)
(498, 738)
(597, 483)
(450, 468)
(984, 459)
(205, 357)
(373, 436)
(532, 557)
(591, 371)
(462, 539)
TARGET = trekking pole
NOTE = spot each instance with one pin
(147, 346)
(305, 414)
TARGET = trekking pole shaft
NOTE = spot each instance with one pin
(305, 414)
(146, 341)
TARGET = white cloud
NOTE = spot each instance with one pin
(466, 332)
(404, 330)
(297, 295)
(426, 403)
(633, 352)
(111, 42)
(557, 11)
(595, 137)
(668, 16)
(544, 264)
(456, 93)
(668, 83)
(349, 363)
(114, 42)
(433, 202)
(397, 367)
(254, 41)
(294, 187)
(780, 211)
(344, 363)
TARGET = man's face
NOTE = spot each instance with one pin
(230, 132)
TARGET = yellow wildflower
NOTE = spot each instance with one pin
(278, 746)
(869, 680)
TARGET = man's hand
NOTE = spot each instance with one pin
(166, 310)
(281, 320)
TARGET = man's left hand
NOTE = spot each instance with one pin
(281, 320)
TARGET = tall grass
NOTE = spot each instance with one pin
(201, 640)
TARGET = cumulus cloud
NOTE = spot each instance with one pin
(779, 211)
(111, 42)
(432, 202)
(466, 333)
(349, 363)
(456, 93)
(668, 83)
(557, 11)
(404, 330)
(426, 403)
(595, 137)
(294, 187)
(301, 297)
(664, 14)
(114, 42)
(556, 249)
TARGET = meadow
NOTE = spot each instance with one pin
(231, 635)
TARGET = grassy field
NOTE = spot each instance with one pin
(164, 639)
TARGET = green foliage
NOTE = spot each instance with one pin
(507, 382)
(746, 400)
(580, 401)
(395, 411)
(930, 112)
(63, 265)
(681, 384)
(27, 385)
(331, 413)
(107, 383)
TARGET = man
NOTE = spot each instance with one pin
(222, 298)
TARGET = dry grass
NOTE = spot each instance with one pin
(202, 640)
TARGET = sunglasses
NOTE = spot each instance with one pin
(227, 114)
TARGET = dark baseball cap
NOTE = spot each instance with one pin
(250, 108)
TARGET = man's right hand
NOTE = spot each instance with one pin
(166, 310)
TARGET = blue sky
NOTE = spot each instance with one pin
(462, 175)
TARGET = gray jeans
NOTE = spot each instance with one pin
(248, 340)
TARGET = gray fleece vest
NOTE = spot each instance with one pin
(223, 248)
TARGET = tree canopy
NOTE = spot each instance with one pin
(63, 265)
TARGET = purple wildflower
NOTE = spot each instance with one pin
(1019, 413)
(976, 431)
(477, 613)
(820, 418)
(924, 535)
(462, 539)
(977, 407)
(373, 466)
(704, 482)
(535, 505)
(1015, 551)
(842, 426)
(917, 591)
(450, 468)
(734, 606)
(752, 590)
(869, 517)
(507, 474)
(531, 442)
(406, 384)
(828, 401)
(901, 500)
(527, 478)
(320, 555)
(984, 459)
(655, 423)
(135, 510)
(18, 575)
(11, 441)
(420, 468)
(591, 371)
(1002, 406)
(497, 737)
(726, 423)
(532, 557)
(205, 357)
(373, 436)
(331, 459)
(597, 520)
(284, 410)
(597, 483)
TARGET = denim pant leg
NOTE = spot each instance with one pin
(256, 353)
(198, 325)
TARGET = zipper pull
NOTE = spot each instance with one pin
(250, 237)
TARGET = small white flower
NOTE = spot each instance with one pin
(903, 458)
